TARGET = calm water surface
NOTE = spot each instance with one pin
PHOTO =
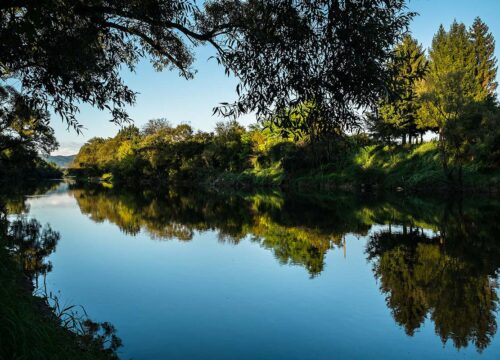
(197, 276)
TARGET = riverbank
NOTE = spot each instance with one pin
(29, 329)
(236, 158)
(411, 168)
(352, 164)
(34, 325)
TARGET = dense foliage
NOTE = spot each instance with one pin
(24, 133)
(397, 113)
(331, 52)
(161, 153)
(452, 93)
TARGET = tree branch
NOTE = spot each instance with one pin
(151, 42)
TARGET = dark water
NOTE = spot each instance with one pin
(187, 275)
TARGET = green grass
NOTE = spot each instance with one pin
(256, 177)
(420, 167)
(410, 167)
(27, 329)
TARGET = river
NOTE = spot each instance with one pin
(189, 275)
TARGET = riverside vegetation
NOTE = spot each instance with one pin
(450, 93)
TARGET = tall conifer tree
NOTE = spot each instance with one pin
(450, 85)
(399, 111)
(449, 91)
(486, 62)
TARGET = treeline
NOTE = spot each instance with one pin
(450, 92)
(162, 153)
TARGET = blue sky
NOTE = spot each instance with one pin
(167, 95)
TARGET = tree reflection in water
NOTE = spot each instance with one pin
(30, 244)
(177, 215)
(435, 276)
(26, 239)
(433, 259)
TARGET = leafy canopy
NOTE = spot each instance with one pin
(23, 127)
(284, 52)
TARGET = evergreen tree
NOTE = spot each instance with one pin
(448, 94)
(399, 110)
(458, 92)
(486, 63)
(450, 86)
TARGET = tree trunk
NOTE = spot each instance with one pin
(444, 157)
(460, 176)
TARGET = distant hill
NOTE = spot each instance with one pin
(60, 160)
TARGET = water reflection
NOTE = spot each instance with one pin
(294, 239)
(433, 259)
(26, 244)
(31, 243)
(424, 276)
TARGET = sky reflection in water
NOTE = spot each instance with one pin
(274, 277)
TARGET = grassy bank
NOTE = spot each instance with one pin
(29, 329)
(33, 324)
(410, 168)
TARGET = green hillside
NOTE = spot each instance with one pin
(61, 161)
